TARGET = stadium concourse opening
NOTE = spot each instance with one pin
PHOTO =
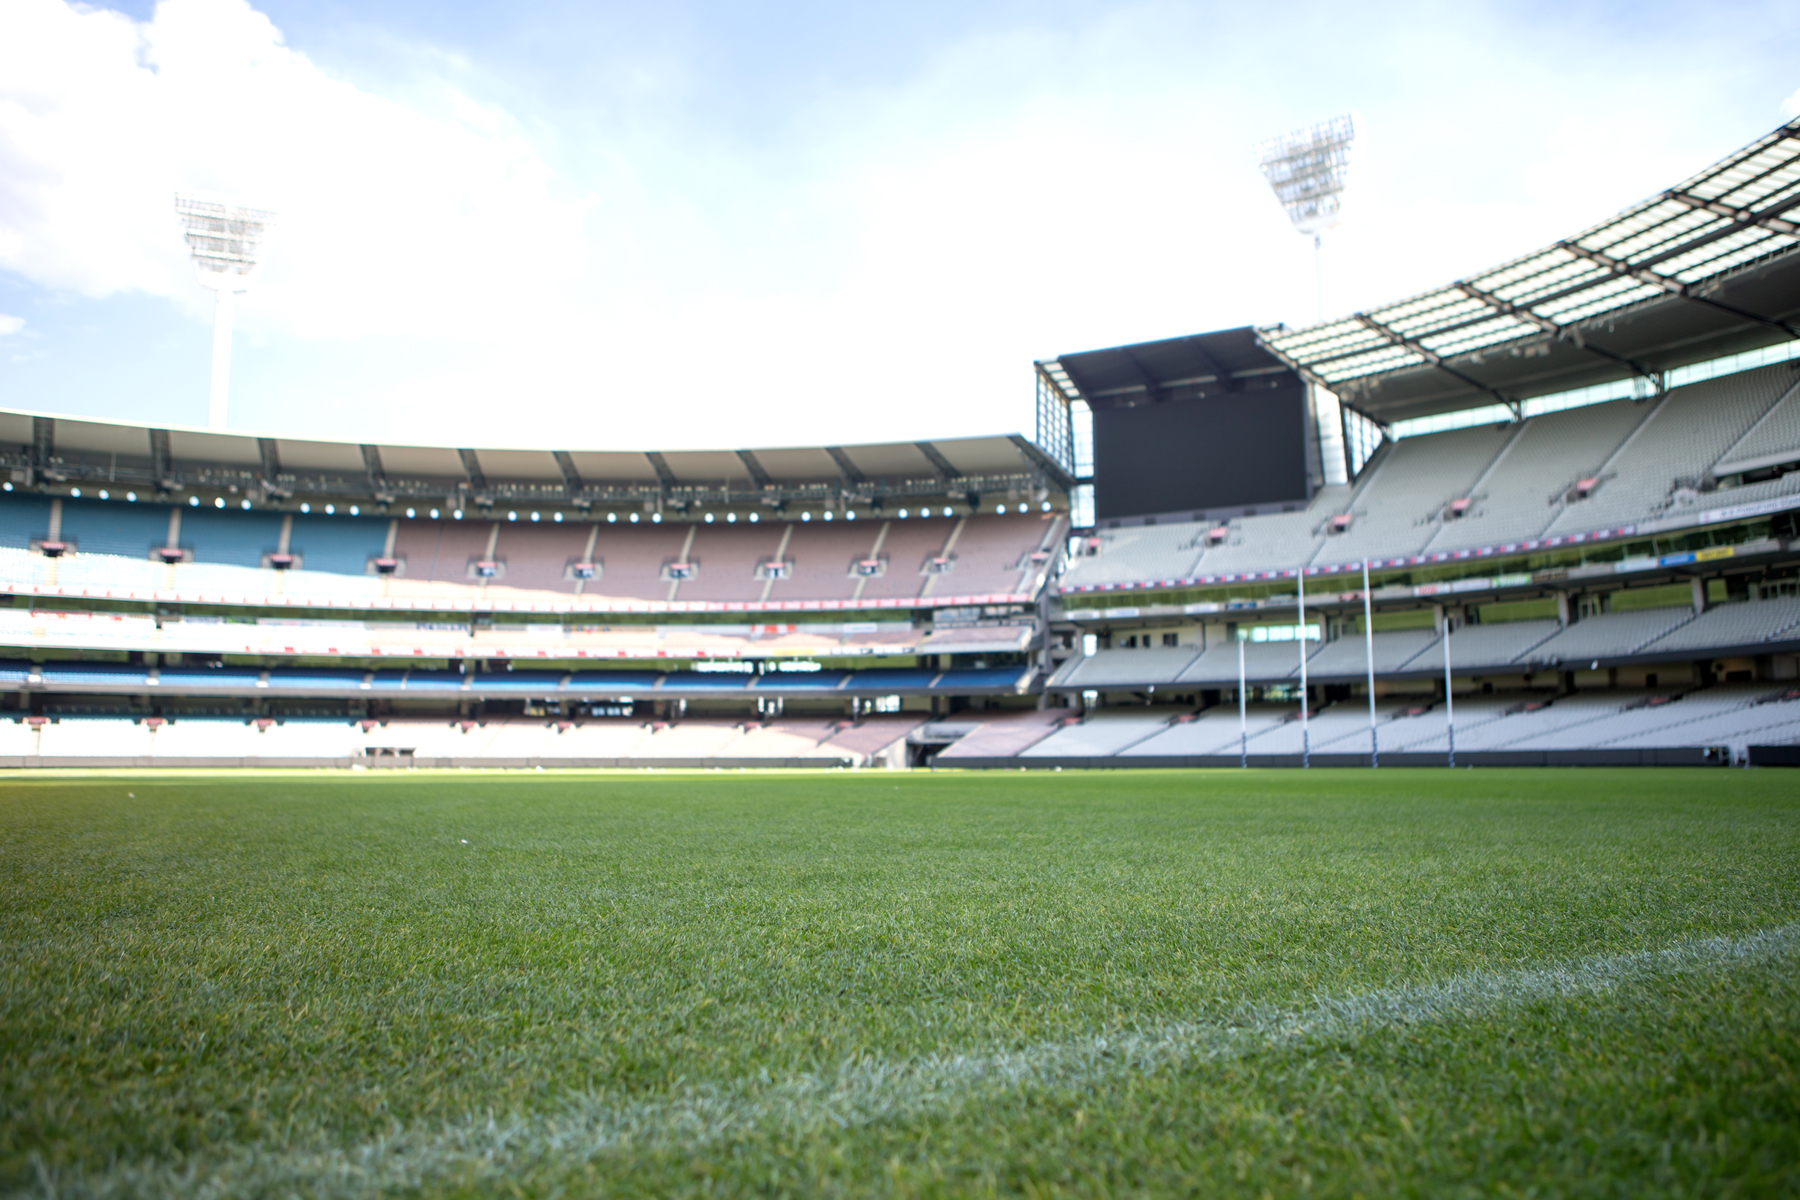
(1542, 515)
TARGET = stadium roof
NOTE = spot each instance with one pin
(1175, 368)
(1707, 268)
(45, 448)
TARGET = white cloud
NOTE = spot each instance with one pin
(387, 213)
(10, 325)
(884, 264)
(1790, 108)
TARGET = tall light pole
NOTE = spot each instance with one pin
(226, 242)
(1309, 170)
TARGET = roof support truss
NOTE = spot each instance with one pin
(845, 466)
(1397, 338)
(1568, 333)
(938, 460)
(43, 441)
(571, 477)
(1673, 287)
(755, 467)
(1768, 217)
(472, 468)
(1034, 454)
(663, 473)
(1738, 218)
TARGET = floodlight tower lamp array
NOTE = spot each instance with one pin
(225, 241)
(1309, 170)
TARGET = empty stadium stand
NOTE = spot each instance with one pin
(1743, 624)
(1402, 498)
(1526, 486)
(1494, 487)
(1608, 635)
(114, 547)
(1676, 447)
(1620, 581)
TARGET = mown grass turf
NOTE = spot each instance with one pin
(290, 963)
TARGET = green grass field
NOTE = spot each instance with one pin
(1552, 983)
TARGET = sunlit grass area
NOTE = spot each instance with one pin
(1337, 983)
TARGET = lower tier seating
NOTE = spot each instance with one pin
(510, 739)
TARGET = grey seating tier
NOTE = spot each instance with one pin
(1734, 625)
(1107, 668)
(1103, 733)
(1609, 635)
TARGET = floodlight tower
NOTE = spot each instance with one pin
(226, 241)
(1309, 169)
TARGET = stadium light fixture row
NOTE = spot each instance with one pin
(1309, 170)
(226, 241)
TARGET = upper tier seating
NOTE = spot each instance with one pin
(116, 545)
(100, 527)
(442, 551)
(1401, 497)
(1679, 442)
(991, 554)
(237, 539)
(1774, 439)
(822, 555)
(339, 545)
(1649, 458)
(1523, 490)
(24, 519)
(725, 562)
(1163, 551)
(1275, 541)
(538, 556)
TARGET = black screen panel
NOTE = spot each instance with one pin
(1224, 450)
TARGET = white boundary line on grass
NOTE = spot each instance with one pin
(863, 1091)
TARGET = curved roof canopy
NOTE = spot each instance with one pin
(39, 447)
(1707, 268)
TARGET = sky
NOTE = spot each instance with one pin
(690, 224)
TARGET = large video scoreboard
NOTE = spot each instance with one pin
(1208, 425)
